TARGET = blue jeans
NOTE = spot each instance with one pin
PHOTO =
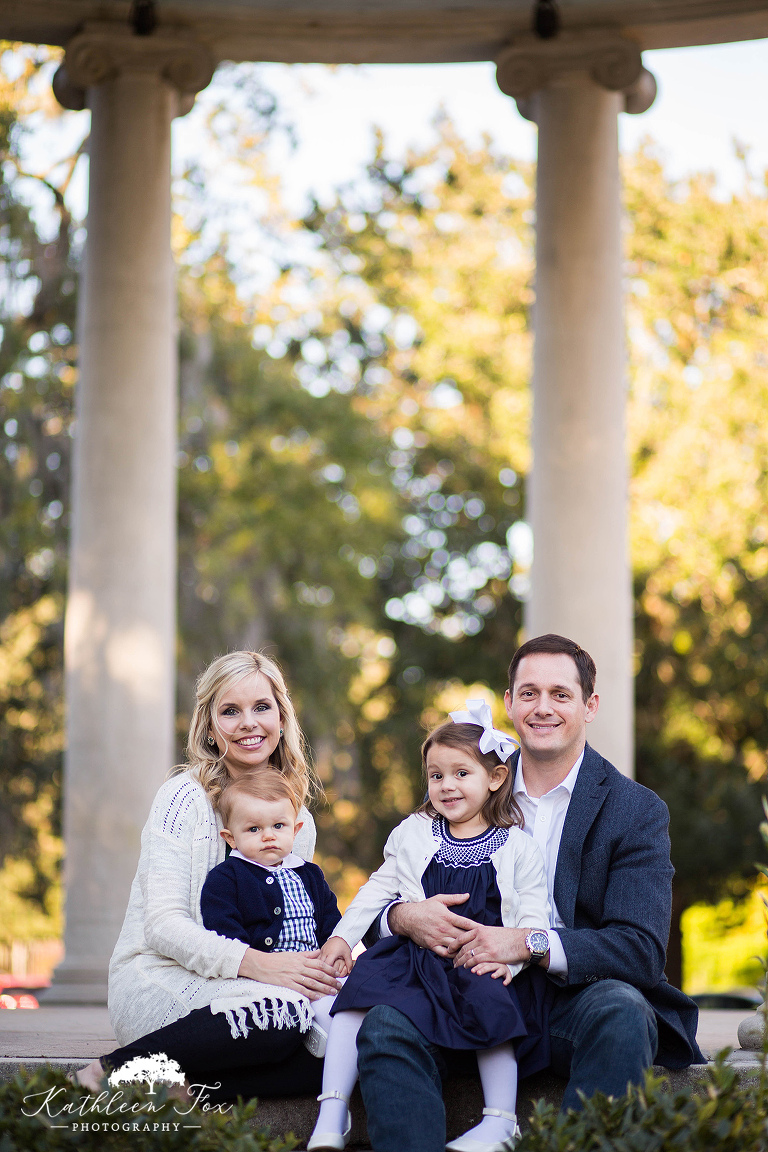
(401, 1084)
(603, 1038)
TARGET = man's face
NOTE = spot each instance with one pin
(547, 707)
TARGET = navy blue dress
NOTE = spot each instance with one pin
(453, 1007)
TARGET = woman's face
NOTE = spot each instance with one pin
(248, 718)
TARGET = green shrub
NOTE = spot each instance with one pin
(719, 1114)
(200, 1131)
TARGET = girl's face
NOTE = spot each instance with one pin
(459, 786)
(248, 719)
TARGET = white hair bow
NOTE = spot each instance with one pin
(478, 712)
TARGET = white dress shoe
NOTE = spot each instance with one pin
(331, 1141)
(315, 1040)
(469, 1144)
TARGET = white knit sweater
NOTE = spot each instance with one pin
(165, 962)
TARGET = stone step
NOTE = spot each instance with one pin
(463, 1097)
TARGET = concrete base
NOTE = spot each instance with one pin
(66, 1038)
(463, 1098)
(90, 995)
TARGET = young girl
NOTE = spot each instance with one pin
(467, 837)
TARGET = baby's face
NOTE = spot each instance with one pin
(263, 830)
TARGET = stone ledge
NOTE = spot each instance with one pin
(463, 1097)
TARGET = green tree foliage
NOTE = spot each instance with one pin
(44, 1112)
(37, 375)
(721, 1114)
(353, 449)
(698, 321)
(446, 248)
(277, 505)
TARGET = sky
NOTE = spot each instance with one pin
(708, 97)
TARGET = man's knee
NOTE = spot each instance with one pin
(621, 1010)
(388, 1040)
(604, 1040)
(385, 1030)
(622, 1001)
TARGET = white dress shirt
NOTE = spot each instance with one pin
(544, 819)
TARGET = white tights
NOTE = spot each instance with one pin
(340, 1068)
(498, 1076)
(497, 1068)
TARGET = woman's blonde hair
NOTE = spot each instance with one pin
(206, 761)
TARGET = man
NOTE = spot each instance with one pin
(605, 844)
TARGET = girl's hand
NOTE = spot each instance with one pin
(305, 972)
(338, 954)
(496, 972)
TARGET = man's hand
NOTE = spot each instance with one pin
(486, 945)
(431, 924)
(338, 954)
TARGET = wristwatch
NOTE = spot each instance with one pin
(537, 943)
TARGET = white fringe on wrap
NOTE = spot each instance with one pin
(265, 1006)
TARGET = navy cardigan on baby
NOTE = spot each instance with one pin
(244, 902)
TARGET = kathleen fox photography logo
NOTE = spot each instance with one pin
(111, 1112)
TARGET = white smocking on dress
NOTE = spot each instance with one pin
(165, 963)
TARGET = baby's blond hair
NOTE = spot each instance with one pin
(269, 784)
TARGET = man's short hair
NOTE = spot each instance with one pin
(558, 645)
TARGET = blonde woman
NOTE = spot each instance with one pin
(224, 1011)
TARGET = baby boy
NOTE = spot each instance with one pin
(264, 894)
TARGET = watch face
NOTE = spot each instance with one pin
(538, 943)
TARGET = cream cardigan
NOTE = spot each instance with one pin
(519, 874)
(165, 962)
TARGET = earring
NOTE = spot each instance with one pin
(211, 740)
(281, 731)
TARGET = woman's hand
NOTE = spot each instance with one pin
(305, 972)
(338, 954)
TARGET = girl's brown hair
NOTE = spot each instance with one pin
(500, 810)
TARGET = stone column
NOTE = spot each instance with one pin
(574, 87)
(120, 621)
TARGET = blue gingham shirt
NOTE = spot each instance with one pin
(298, 931)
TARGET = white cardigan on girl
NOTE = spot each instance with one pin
(519, 869)
(165, 962)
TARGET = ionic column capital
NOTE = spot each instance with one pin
(613, 61)
(103, 50)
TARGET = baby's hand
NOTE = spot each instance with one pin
(338, 953)
(495, 971)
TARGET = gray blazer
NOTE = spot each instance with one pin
(613, 890)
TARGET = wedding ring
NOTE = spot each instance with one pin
(472, 952)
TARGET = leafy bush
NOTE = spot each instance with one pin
(719, 1114)
(65, 1124)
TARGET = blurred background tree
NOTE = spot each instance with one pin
(352, 456)
(37, 376)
